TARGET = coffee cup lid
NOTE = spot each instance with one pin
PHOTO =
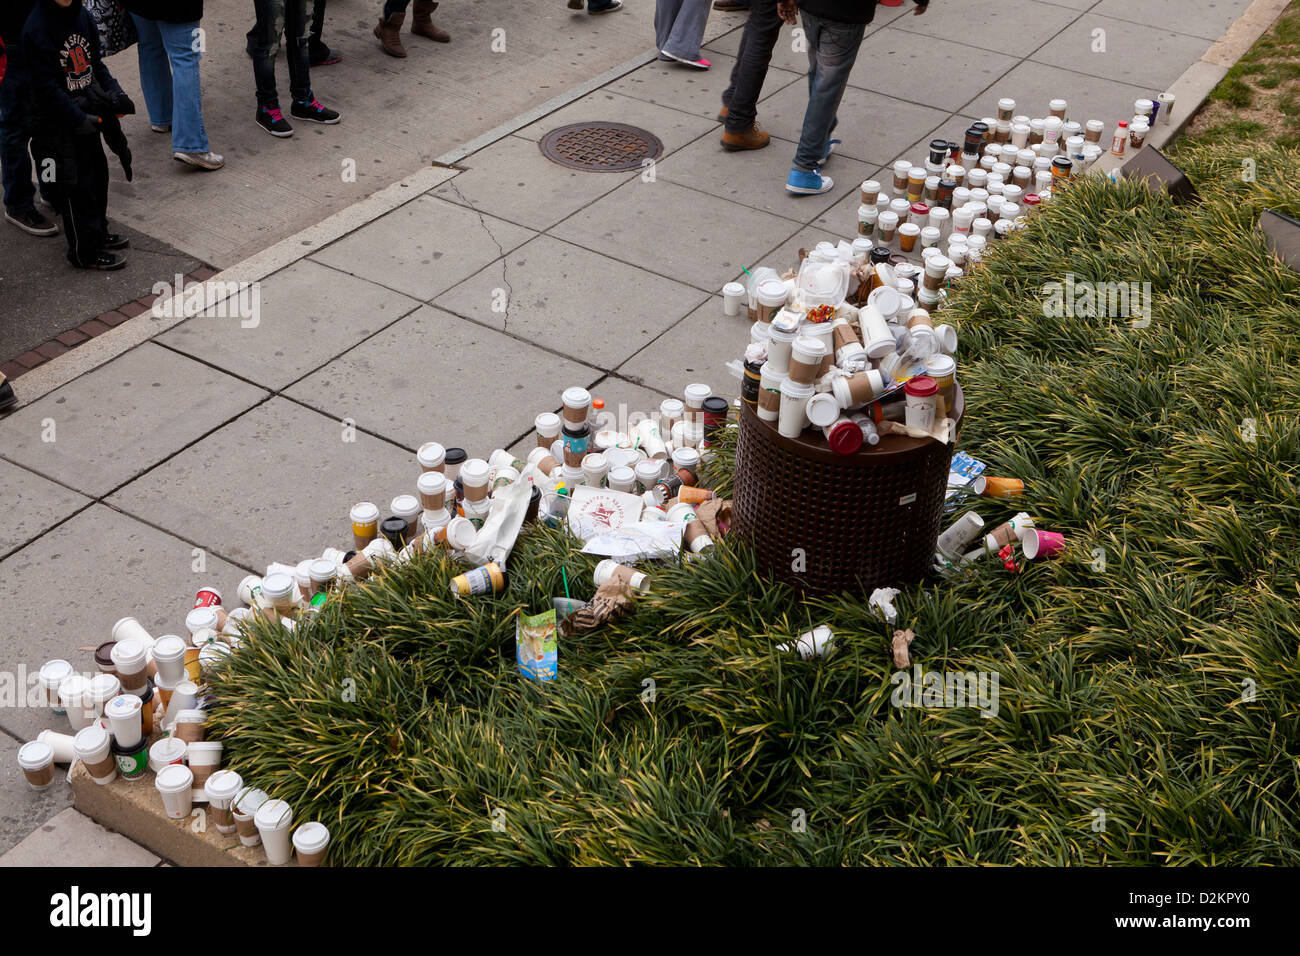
(456, 455)
(902, 165)
(698, 392)
(277, 584)
(672, 408)
(576, 397)
(35, 755)
(174, 777)
(103, 686)
(621, 473)
(200, 618)
(89, 740)
(131, 651)
(311, 837)
(363, 512)
(125, 751)
(53, 672)
(167, 749)
(922, 386)
(474, 471)
(204, 747)
(431, 482)
(430, 452)
(169, 648)
(823, 409)
(273, 815)
(794, 389)
(74, 685)
(123, 706)
(405, 505)
(223, 785)
(250, 801)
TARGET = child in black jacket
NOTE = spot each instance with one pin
(75, 101)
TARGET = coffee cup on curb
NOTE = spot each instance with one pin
(124, 719)
(169, 656)
(102, 688)
(365, 524)
(72, 695)
(131, 761)
(129, 627)
(244, 808)
(166, 750)
(129, 661)
(52, 674)
(221, 789)
(204, 758)
(94, 748)
(279, 590)
(62, 744)
(577, 406)
(610, 569)
(190, 725)
(273, 820)
(175, 784)
(36, 760)
(310, 841)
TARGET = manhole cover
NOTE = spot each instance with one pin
(600, 147)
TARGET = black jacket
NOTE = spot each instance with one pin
(168, 11)
(845, 11)
(62, 59)
(13, 17)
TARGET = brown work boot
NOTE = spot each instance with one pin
(389, 33)
(752, 138)
(722, 114)
(422, 22)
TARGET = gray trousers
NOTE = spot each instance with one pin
(679, 26)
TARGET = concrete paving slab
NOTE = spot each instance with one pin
(674, 128)
(1015, 27)
(952, 129)
(70, 838)
(434, 376)
(695, 92)
(572, 300)
(512, 180)
(24, 810)
(696, 349)
(307, 314)
(1202, 18)
(840, 221)
(757, 177)
(298, 474)
(122, 418)
(424, 247)
(1141, 55)
(627, 402)
(873, 127)
(115, 566)
(1032, 85)
(704, 239)
(924, 69)
(33, 505)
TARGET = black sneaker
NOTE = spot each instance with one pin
(319, 54)
(272, 120)
(313, 112)
(32, 222)
(114, 241)
(7, 397)
(104, 262)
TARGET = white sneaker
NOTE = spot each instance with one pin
(208, 160)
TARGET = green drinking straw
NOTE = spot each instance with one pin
(565, 574)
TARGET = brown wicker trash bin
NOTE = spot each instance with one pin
(852, 522)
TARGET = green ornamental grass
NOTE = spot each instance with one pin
(1149, 679)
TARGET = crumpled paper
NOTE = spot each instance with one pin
(902, 659)
(612, 599)
(716, 515)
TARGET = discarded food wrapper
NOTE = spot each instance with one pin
(638, 541)
(595, 511)
(963, 472)
(902, 640)
(991, 487)
(716, 515)
(612, 599)
(536, 650)
(819, 642)
(882, 602)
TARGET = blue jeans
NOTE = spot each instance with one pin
(832, 51)
(15, 134)
(169, 77)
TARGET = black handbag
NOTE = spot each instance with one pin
(116, 28)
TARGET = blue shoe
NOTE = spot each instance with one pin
(830, 148)
(805, 183)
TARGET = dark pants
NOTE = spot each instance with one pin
(395, 6)
(317, 22)
(15, 134)
(752, 59)
(274, 19)
(79, 192)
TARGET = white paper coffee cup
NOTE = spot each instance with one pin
(175, 783)
(733, 296)
(793, 417)
(36, 760)
(204, 758)
(431, 456)
(124, 719)
(274, 820)
(52, 674)
(167, 750)
(221, 789)
(93, 746)
(310, 841)
(129, 627)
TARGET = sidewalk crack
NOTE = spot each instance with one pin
(505, 265)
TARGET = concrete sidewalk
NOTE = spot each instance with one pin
(210, 449)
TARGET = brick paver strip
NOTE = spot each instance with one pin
(93, 327)
(11, 370)
(70, 338)
(112, 318)
(132, 309)
(202, 275)
(30, 359)
(51, 349)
